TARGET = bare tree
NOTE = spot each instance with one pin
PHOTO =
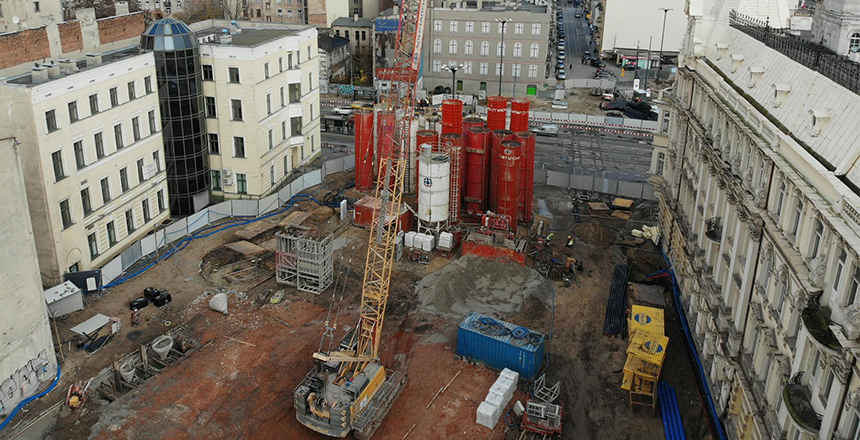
(234, 9)
(199, 10)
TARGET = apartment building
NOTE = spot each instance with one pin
(17, 15)
(759, 204)
(261, 99)
(279, 11)
(89, 132)
(468, 34)
(334, 59)
(359, 32)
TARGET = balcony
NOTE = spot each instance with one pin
(818, 327)
(797, 401)
(714, 229)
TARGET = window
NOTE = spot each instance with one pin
(533, 71)
(363, 38)
(500, 70)
(268, 103)
(453, 26)
(470, 27)
(208, 73)
(36, 7)
(437, 46)
(151, 116)
(518, 50)
(241, 183)
(502, 27)
(534, 52)
(295, 92)
(92, 241)
(286, 165)
(500, 48)
(798, 217)
(78, 147)
(661, 162)
(467, 69)
(86, 203)
(210, 107)
(290, 60)
(147, 84)
(160, 198)
(828, 384)
(780, 198)
(666, 119)
(817, 235)
(111, 231)
(156, 160)
(123, 179)
(485, 48)
(117, 136)
(485, 28)
(114, 97)
(129, 222)
(452, 47)
(73, 111)
(144, 207)
(100, 145)
(51, 120)
(815, 367)
(266, 70)
(854, 427)
(271, 138)
(854, 44)
(140, 170)
(280, 64)
(516, 71)
(840, 266)
(236, 105)
(105, 184)
(214, 147)
(518, 28)
(216, 180)
(482, 86)
(296, 126)
(535, 28)
(135, 128)
(483, 68)
(855, 285)
(283, 130)
(311, 80)
(437, 25)
(65, 213)
(233, 74)
(437, 66)
(467, 50)
(238, 146)
(779, 301)
(94, 103)
(132, 93)
(280, 11)
(272, 175)
(57, 160)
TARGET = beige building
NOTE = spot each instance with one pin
(261, 93)
(90, 138)
(17, 15)
(760, 209)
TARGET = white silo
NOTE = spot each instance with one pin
(434, 177)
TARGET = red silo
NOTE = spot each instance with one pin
(477, 172)
(364, 150)
(471, 121)
(452, 145)
(497, 137)
(519, 115)
(384, 141)
(426, 137)
(452, 116)
(527, 175)
(508, 183)
(497, 113)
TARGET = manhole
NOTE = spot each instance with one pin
(133, 336)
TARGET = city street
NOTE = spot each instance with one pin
(577, 36)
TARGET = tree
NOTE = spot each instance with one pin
(200, 10)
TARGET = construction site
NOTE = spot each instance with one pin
(433, 291)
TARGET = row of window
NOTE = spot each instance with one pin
(51, 118)
(468, 48)
(363, 34)
(80, 151)
(234, 76)
(236, 114)
(516, 69)
(239, 141)
(454, 26)
(130, 227)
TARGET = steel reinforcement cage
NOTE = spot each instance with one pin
(304, 261)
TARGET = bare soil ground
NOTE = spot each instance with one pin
(243, 390)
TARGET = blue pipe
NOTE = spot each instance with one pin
(679, 424)
(30, 399)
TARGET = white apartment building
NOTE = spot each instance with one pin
(467, 34)
(261, 94)
(759, 189)
(90, 138)
(17, 15)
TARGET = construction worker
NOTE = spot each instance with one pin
(549, 238)
(569, 242)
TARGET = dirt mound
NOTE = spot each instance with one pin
(594, 233)
(481, 285)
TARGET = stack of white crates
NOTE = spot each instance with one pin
(490, 410)
(446, 240)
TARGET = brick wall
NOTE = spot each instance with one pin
(25, 46)
(70, 36)
(119, 28)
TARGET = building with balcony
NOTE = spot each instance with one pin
(261, 103)
(467, 33)
(89, 133)
(758, 183)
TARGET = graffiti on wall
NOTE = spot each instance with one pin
(345, 89)
(24, 382)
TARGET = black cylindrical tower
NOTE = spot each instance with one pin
(177, 63)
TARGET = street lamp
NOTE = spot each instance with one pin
(665, 11)
(453, 69)
(503, 22)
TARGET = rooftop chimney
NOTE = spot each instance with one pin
(53, 70)
(94, 59)
(68, 66)
(39, 74)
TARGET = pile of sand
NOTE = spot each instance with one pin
(481, 285)
(594, 233)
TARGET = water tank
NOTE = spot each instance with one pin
(434, 177)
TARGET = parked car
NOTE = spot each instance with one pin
(560, 44)
(546, 130)
(561, 75)
(596, 63)
(615, 115)
(560, 65)
(578, 15)
(630, 66)
(561, 55)
(342, 111)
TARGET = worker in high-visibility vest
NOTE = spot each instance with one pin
(549, 238)
(569, 241)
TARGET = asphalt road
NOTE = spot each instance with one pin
(577, 37)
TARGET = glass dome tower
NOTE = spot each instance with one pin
(180, 94)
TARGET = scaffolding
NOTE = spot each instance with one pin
(304, 261)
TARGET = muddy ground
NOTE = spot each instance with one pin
(243, 390)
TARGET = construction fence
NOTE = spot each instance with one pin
(598, 121)
(580, 182)
(179, 229)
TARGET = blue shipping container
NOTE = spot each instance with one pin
(501, 345)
